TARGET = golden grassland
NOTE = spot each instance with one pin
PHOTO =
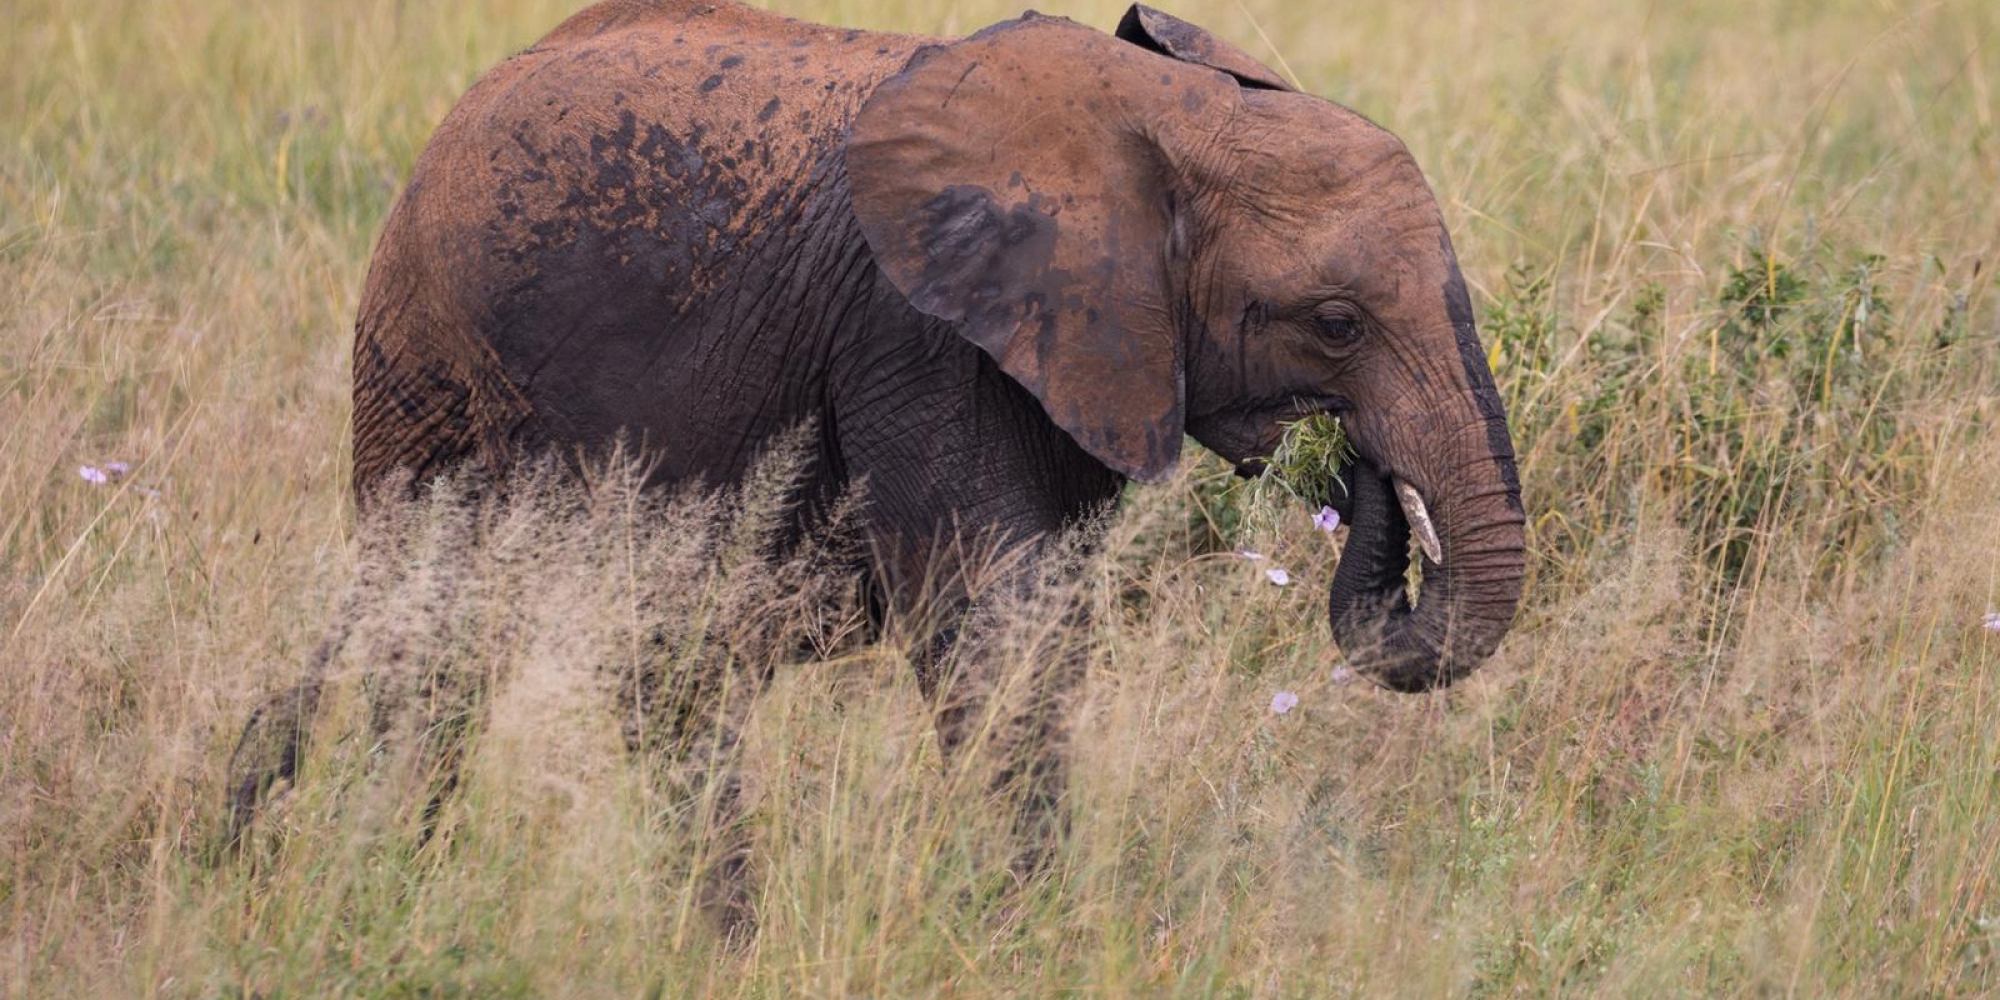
(1736, 266)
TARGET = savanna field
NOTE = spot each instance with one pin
(1735, 265)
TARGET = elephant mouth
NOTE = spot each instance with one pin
(1268, 423)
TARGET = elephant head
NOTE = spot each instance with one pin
(1155, 235)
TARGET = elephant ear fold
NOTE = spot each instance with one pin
(1158, 31)
(1015, 184)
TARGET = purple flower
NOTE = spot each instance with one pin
(1342, 675)
(1991, 622)
(1283, 701)
(1327, 519)
(117, 468)
(1278, 576)
(1249, 554)
(93, 474)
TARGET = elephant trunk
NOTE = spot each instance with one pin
(1468, 597)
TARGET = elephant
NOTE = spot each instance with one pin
(998, 276)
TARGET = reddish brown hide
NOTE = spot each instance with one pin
(998, 274)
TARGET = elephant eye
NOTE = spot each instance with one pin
(1338, 323)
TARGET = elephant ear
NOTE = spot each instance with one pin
(1168, 35)
(1019, 184)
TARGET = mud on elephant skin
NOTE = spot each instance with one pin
(1000, 275)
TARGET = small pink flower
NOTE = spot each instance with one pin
(117, 468)
(1283, 701)
(1991, 622)
(1327, 519)
(1249, 554)
(1279, 576)
(1342, 675)
(93, 474)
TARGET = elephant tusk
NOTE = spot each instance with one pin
(1420, 521)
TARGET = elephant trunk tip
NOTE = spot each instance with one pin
(1389, 651)
(1423, 668)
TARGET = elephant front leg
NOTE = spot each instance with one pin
(1000, 682)
(681, 707)
(971, 491)
(1009, 714)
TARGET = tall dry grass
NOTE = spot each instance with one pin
(1735, 262)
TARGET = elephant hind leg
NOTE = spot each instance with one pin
(268, 752)
(429, 713)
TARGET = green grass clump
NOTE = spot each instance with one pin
(1303, 469)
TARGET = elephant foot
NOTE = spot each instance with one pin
(1040, 821)
(729, 900)
(709, 816)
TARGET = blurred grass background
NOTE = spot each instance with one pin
(1735, 262)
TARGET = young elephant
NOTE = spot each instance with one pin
(998, 274)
